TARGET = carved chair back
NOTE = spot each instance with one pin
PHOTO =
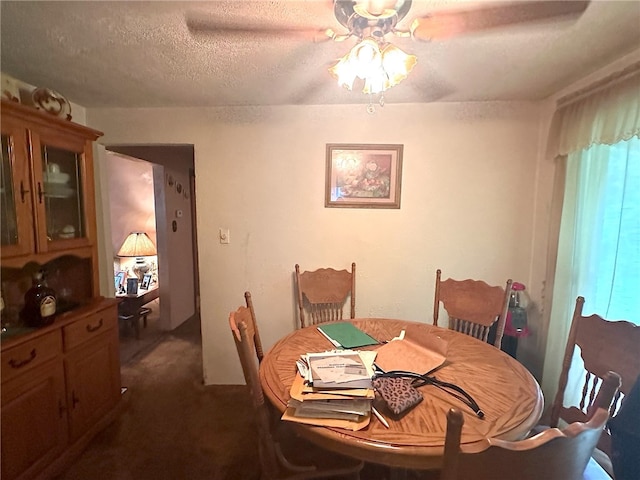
(604, 345)
(473, 306)
(322, 294)
(553, 454)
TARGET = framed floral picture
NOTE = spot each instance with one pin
(363, 176)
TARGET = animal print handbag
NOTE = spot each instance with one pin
(397, 393)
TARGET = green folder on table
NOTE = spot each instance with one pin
(347, 335)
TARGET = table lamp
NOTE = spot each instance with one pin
(139, 245)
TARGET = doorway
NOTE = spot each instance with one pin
(170, 200)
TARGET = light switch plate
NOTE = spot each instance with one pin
(224, 235)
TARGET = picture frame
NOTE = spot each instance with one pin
(363, 175)
(146, 282)
(132, 286)
(119, 279)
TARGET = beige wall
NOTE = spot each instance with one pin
(176, 250)
(467, 205)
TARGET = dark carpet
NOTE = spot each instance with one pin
(173, 427)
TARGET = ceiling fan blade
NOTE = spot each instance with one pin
(203, 25)
(449, 23)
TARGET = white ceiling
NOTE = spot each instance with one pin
(141, 54)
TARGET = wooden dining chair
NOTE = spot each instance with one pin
(248, 315)
(553, 454)
(323, 293)
(473, 306)
(282, 454)
(604, 345)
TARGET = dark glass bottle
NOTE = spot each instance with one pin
(39, 303)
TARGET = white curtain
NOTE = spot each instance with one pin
(595, 138)
(605, 113)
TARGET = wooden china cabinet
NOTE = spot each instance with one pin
(61, 382)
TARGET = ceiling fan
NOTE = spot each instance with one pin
(371, 22)
(380, 17)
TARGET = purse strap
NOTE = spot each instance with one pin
(418, 380)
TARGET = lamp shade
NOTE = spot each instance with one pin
(137, 244)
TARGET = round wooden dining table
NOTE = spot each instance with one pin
(507, 393)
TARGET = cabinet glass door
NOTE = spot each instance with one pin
(63, 196)
(8, 213)
(16, 228)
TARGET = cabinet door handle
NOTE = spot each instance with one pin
(22, 191)
(40, 192)
(61, 408)
(91, 329)
(22, 363)
(74, 399)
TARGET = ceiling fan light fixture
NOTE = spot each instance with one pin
(397, 64)
(376, 84)
(345, 74)
(380, 69)
(364, 12)
(366, 58)
(363, 61)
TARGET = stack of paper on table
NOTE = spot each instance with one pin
(340, 369)
(350, 409)
(335, 391)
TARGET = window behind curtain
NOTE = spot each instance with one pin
(602, 208)
(594, 138)
(608, 233)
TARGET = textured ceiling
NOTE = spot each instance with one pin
(141, 54)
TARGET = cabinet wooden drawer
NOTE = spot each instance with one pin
(88, 328)
(28, 355)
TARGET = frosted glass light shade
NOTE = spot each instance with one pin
(380, 68)
(397, 64)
